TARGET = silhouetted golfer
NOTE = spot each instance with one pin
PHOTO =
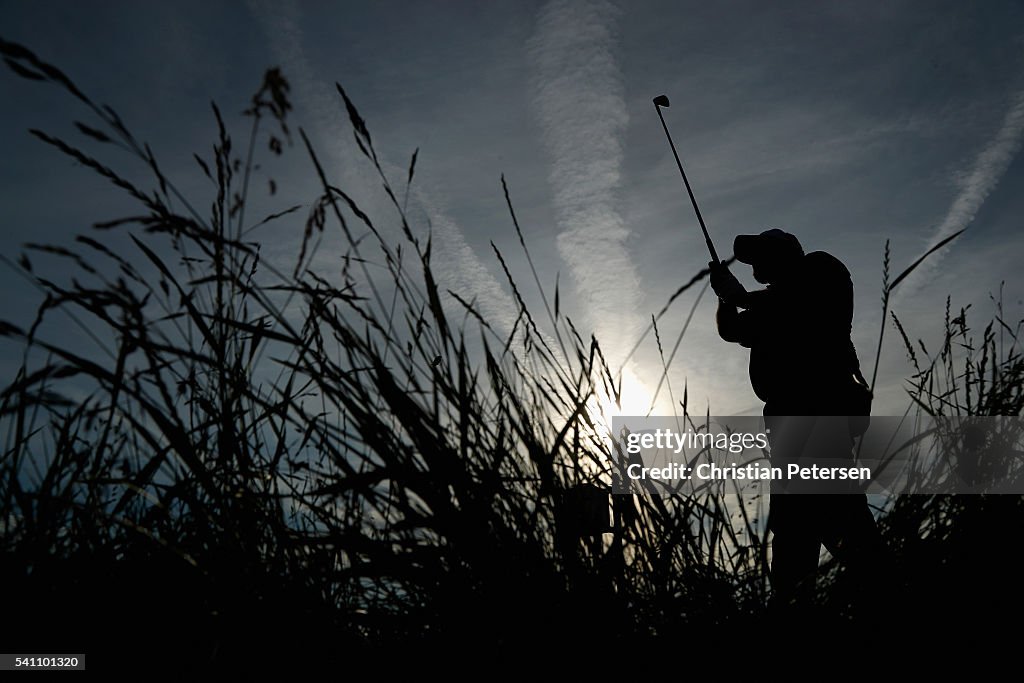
(802, 365)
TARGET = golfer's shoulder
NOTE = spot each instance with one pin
(821, 264)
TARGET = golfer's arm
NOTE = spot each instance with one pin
(732, 327)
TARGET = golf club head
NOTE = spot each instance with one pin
(661, 101)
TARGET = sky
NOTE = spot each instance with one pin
(847, 124)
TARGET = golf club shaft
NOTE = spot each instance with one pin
(689, 191)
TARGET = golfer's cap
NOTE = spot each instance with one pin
(770, 244)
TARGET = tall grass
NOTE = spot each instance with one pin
(953, 557)
(269, 455)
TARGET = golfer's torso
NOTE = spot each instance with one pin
(798, 358)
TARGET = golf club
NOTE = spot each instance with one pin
(659, 102)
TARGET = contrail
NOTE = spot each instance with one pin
(465, 273)
(986, 172)
(582, 112)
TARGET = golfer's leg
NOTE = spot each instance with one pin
(855, 541)
(852, 536)
(794, 564)
(795, 548)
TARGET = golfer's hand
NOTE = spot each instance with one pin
(725, 284)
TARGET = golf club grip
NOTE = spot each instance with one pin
(689, 190)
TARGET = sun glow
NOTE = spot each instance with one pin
(634, 399)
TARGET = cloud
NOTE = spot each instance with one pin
(580, 105)
(464, 272)
(976, 185)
